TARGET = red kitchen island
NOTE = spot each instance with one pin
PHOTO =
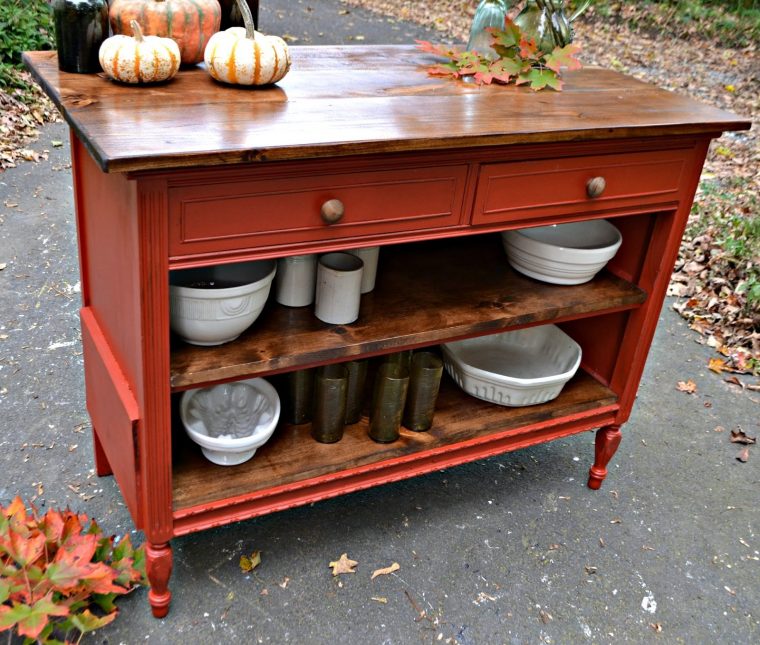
(192, 173)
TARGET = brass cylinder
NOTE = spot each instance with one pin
(391, 385)
(357, 378)
(329, 410)
(298, 396)
(402, 359)
(424, 383)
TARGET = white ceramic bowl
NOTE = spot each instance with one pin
(570, 253)
(231, 421)
(214, 305)
(514, 368)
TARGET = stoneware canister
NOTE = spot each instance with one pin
(339, 281)
(296, 280)
(369, 255)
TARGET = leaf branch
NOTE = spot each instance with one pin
(520, 60)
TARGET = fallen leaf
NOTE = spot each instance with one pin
(553, 547)
(250, 563)
(284, 583)
(738, 436)
(646, 547)
(3, 265)
(56, 144)
(545, 616)
(716, 365)
(590, 570)
(719, 429)
(387, 570)
(380, 599)
(343, 565)
(264, 592)
(617, 520)
(690, 387)
(656, 627)
(743, 455)
(734, 381)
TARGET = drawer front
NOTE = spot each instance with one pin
(534, 189)
(262, 213)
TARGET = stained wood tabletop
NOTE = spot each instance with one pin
(339, 101)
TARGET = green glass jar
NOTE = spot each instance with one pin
(490, 13)
(547, 23)
(81, 26)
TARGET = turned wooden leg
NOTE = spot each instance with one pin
(607, 442)
(158, 559)
(102, 467)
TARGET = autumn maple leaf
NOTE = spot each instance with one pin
(30, 621)
(563, 57)
(528, 48)
(538, 79)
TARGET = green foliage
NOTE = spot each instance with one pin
(59, 579)
(25, 25)
(736, 23)
(519, 61)
(731, 217)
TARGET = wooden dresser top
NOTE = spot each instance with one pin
(340, 101)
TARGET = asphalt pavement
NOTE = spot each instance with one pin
(513, 549)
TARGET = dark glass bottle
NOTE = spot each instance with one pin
(81, 26)
(231, 16)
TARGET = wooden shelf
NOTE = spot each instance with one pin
(426, 293)
(291, 455)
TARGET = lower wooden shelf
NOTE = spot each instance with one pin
(293, 460)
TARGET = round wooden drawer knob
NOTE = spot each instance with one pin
(595, 187)
(332, 211)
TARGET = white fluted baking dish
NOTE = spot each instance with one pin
(514, 368)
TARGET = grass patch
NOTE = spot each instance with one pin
(735, 23)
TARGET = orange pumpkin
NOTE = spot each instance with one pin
(188, 22)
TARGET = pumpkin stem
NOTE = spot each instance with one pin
(136, 31)
(250, 27)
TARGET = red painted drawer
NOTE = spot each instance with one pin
(534, 189)
(263, 213)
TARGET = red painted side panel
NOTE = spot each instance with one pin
(113, 409)
(108, 255)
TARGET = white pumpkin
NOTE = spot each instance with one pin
(138, 58)
(244, 56)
